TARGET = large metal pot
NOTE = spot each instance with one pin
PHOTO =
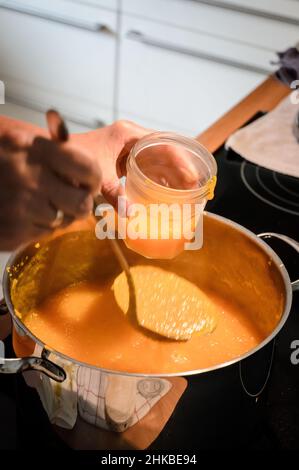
(234, 261)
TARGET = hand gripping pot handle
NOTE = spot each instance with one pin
(40, 364)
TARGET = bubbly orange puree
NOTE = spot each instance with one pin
(84, 322)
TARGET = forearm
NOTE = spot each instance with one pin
(7, 124)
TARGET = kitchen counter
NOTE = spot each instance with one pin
(264, 98)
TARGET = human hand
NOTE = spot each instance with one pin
(38, 177)
(167, 165)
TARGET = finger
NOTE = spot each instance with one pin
(41, 212)
(68, 162)
(73, 201)
(44, 218)
(185, 167)
(15, 139)
(67, 220)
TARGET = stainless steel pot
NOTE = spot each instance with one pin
(235, 260)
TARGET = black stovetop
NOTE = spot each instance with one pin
(214, 412)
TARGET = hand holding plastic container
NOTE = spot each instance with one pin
(169, 180)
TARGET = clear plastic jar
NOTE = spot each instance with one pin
(176, 171)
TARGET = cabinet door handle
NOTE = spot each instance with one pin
(249, 11)
(149, 41)
(73, 22)
(91, 124)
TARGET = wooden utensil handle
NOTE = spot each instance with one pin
(57, 127)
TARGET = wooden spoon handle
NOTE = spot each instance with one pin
(57, 127)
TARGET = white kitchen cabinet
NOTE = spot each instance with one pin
(283, 9)
(81, 13)
(79, 10)
(168, 64)
(180, 79)
(110, 4)
(61, 61)
(242, 21)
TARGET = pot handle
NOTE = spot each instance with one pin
(289, 241)
(40, 364)
(295, 286)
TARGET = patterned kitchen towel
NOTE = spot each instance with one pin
(89, 391)
(94, 396)
(270, 141)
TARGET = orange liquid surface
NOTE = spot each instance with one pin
(84, 322)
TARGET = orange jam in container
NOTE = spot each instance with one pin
(169, 180)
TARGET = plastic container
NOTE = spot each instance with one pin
(177, 172)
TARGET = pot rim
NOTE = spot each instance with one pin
(272, 254)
